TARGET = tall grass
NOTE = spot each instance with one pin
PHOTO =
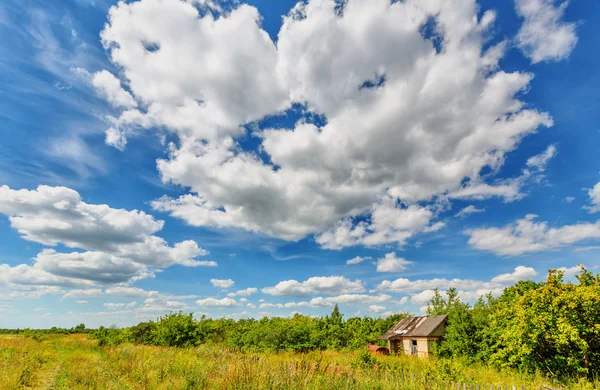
(74, 362)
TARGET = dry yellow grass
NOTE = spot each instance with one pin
(74, 362)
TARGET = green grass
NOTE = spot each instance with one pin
(74, 362)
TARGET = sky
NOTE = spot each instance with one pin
(258, 158)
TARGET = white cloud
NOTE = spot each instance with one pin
(131, 292)
(544, 36)
(389, 223)
(82, 302)
(468, 211)
(212, 302)
(594, 195)
(271, 306)
(317, 302)
(251, 305)
(344, 299)
(569, 199)
(377, 308)
(528, 236)
(571, 271)
(391, 263)
(119, 243)
(57, 215)
(587, 248)
(78, 293)
(422, 130)
(316, 285)
(357, 260)
(540, 161)
(222, 283)
(422, 297)
(161, 304)
(110, 88)
(115, 306)
(244, 293)
(520, 273)
(508, 189)
(403, 285)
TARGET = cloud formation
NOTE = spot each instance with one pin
(332, 285)
(544, 36)
(119, 245)
(470, 209)
(398, 125)
(391, 263)
(527, 236)
(594, 195)
(222, 283)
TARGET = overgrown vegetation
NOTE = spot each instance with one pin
(547, 330)
(76, 362)
(296, 334)
(551, 327)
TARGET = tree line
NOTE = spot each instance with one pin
(299, 333)
(552, 327)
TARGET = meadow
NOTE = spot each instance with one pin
(78, 362)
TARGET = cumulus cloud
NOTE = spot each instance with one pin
(116, 306)
(377, 308)
(213, 302)
(422, 297)
(316, 285)
(468, 211)
(357, 260)
(131, 292)
(391, 263)
(510, 189)
(594, 195)
(468, 289)
(244, 292)
(222, 283)
(527, 236)
(403, 285)
(520, 273)
(79, 293)
(544, 36)
(120, 245)
(571, 271)
(110, 88)
(344, 299)
(399, 126)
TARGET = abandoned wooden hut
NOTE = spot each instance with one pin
(377, 349)
(415, 335)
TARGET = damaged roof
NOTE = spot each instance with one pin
(414, 327)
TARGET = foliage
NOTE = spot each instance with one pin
(551, 327)
(554, 328)
(173, 330)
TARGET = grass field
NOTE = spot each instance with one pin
(75, 362)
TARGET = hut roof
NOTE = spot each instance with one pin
(414, 327)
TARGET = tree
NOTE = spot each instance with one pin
(466, 326)
(554, 327)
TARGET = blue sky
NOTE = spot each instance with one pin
(260, 158)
